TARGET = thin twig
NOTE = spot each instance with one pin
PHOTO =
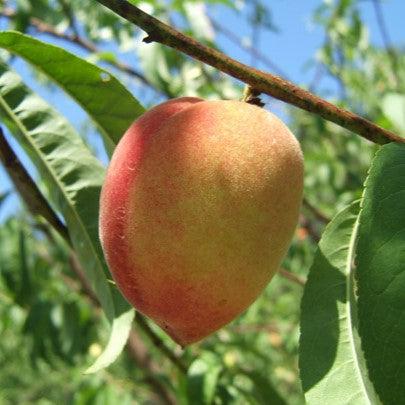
(248, 48)
(309, 228)
(321, 217)
(386, 38)
(292, 277)
(140, 353)
(85, 44)
(158, 343)
(69, 14)
(264, 82)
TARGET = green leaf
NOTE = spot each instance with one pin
(202, 379)
(381, 273)
(330, 359)
(393, 106)
(119, 335)
(72, 174)
(110, 105)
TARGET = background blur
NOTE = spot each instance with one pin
(351, 52)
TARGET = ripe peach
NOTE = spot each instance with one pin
(198, 208)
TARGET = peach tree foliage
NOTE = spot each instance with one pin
(351, 330)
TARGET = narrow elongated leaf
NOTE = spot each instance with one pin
(73, 175)
(118, 338)
(331, 362)
(381, 273)
(110, 105)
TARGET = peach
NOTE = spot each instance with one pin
(198, 208)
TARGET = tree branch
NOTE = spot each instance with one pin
(158, 343)
(30, 193)
(261, 81)
(37, 204)
(292, 277)
(320, 216)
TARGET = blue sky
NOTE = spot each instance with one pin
(291, 48)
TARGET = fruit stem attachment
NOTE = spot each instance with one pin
(252, 96)
(267, 83)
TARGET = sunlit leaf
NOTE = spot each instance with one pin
(118, 338)
(72, 174)
(110, 105)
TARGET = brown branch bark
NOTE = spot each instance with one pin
(292, 277)
(316, 212)
(158, 343)
(30, 193)
(259, 80)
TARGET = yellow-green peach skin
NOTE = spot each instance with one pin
(198, 208)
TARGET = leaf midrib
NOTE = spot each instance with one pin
(349, 309)
(63, 59)
(70, 204)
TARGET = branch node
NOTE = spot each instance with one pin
(150, 38)
(252, 96)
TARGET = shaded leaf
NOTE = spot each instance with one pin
(381, 273)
